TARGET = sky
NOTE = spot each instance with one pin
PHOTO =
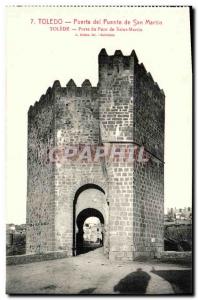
(36, 57)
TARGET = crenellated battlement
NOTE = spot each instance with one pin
(71, 90)
(141, 68)
(85, 90)
(45, 99)
(117, 63)
(118, 59)
(108, 65)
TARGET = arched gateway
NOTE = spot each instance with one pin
(89, 201)
(71, 175)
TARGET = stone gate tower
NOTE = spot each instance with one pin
(125, 110)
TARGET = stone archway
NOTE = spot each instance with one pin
(82, 216)
(89, 200)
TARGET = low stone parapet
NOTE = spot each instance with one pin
(175, 256)
(29, 258)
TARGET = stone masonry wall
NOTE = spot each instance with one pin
(148, 112)
(116, 76)
(121, 205)
(148, 209)
(116, 96)
(40, 186)
(148, 178)
(76, 123)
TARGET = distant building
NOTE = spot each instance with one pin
(179, 215)
(15, 239)
(92, 232)
(10, 229)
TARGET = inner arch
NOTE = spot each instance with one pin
(89, 196)
(81, 218)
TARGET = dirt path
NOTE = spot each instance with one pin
(91, 273)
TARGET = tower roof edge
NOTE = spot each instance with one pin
(71, 83)
(103, 52)
(133, 54)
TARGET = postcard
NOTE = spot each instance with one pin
(99, 150)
